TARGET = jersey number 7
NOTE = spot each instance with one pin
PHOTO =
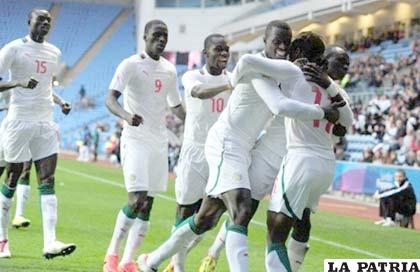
(318, 96)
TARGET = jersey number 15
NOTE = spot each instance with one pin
(41, 66)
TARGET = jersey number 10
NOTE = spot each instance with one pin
(318, 96)
(217, 104)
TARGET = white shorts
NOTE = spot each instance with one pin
(303, 178)
(2, 160)
(228, 162)
(265, 166)
(145, 165)
(192, 174)
(26, 140)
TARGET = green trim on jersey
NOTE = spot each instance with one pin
(286, 201)
(128, 212)
(238, 228)
(46, 189)
(23, 181)
(281, 253)
(218, 167)
(7, 191)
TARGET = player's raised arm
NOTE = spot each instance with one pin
(205, 91)
(279, 104)
(277, 69)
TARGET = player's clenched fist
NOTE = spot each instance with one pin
(65, 108)
(135, 120)
(331, 112)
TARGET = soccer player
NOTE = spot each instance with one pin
(228, 153)
(308, 168)
(30, 131)
(148, 83)
(268, 152)
(338, 65)
(207, 91)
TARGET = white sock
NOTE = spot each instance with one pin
(296, 251)
(219, 242)
(135, 239)
(122, 227)
(276, 259)
(4, 216)
(22, 195)
(237, 248)
(179, 240)
(49, 217)
(179, 258)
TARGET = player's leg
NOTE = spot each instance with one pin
(207, 217)
(140, 204)
(2, 168)
(298, 242)
(22, 195)
(239, 205)
(45, 169)
(182, 213)
(278, 225)
(13, 171)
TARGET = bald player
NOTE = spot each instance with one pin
(30, 131)
(148, 83)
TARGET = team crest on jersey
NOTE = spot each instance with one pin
(132, 178)
(237, 177)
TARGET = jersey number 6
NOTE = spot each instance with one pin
(318, 96)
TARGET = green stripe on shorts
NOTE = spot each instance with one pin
(286, 201)
(218, 168)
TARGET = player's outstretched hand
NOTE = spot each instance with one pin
(314, 73)
(135, 120)
(31, 84)
(65, 108)
(339, 130)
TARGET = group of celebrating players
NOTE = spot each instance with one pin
(267, 128)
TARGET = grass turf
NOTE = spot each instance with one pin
(90, 196)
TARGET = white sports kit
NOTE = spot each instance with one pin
(192, 170)
(308, 168)
(251, 106)
(148, 86)
(29, 130)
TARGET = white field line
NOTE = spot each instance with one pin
(257, 223)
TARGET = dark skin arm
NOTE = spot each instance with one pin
(4, 86)
(179, 112)
(115, 107)
(204, 91)
(65, 107)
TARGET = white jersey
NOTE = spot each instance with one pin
(313, 134)
(25, 58)
(275, 136)
(252, 104)
(202, 113)
(147, 86)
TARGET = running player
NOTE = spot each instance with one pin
(148, 83)
(23, 188)
(227, 151)
(30, 131)
(338, 65)
(206, 94)
(268, 152)
(307, 169)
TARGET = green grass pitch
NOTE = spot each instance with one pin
(89, 197)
